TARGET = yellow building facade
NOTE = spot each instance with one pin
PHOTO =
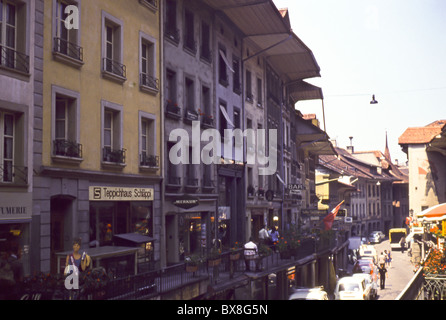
(101, 128)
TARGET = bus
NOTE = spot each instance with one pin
(395, 236)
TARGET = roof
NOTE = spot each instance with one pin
(422, 135)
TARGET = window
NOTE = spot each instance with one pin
(65, 119)
(222, 72)
(236, 79)
(7, 146)
(148, 81)
(112, 151)
(112, 48)
(205, 49)
(249, 96)
(259, 92)
(13, 18)
(148, 157)
(170, 27)
(66, 41)
(189, 36)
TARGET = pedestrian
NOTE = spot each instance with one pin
(274, 236)
(251, 253)
(382, 259)
(382, 275)
(403, 243)
(388, 259)
(263, 235)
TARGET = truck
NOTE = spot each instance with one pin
(395, 236)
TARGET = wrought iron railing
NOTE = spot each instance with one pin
(114, 67)
(68, 48)
(116, 156)
(14, 60)
(67, 148)
(149, 160)
(13, 174)
(149, 81)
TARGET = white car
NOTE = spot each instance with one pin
(352, 288)
(376, 237)
(309, 294)
(368, 251)
(369, 282)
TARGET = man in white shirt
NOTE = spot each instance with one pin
(251, 253)
(263, 235)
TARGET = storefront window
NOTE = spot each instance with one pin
(192, 234)
(14, 247)
(111, 218)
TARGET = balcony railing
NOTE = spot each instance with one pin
(148, 160)
(149, 81)
(114, 156)
(173, 110)
(67, 148)
(14, 60)
(114, 67)
(12, 174)
(69, 49)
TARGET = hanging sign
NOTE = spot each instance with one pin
(186, 202)
(120, 194)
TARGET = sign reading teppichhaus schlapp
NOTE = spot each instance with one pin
(97, 193)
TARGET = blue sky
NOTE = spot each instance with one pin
(395, 49)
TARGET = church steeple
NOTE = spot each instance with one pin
(386, 151)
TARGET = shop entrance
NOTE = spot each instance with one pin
(59, 237)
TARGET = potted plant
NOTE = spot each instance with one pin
(264, 250)
(193, 261)
(283, 247)
(214, 257)
(235, 251)
(251, 191)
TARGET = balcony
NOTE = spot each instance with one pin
(148, 83)
(13, 175)
(113, 158)
(14, 60)
(67, 151)
(68, 52)
(114, 70)
(190, 115)
(151, 4)
(148, 162)
(173, 111)
(207, 185)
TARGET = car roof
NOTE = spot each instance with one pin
(350, 279)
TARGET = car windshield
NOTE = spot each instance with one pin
(349, 286)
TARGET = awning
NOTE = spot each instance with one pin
(264, 26)
(134, 237)
(435, 213)
(313, 139)
(302, 90)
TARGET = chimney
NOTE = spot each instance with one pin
(350, 147)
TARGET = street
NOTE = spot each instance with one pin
(399, 274)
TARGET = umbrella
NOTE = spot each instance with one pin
(435, 213)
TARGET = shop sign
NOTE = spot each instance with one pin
(186, 202)
(418, 230)
(16, 206)
(295, 188)
(97, 193)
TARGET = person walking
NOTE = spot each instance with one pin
(388, 259)
(250, 253)
(382, 276)
(403, 244)
(263, 235)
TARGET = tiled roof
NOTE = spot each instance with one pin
(419, 135)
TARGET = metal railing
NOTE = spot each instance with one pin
(114, 67)
(14, 59)
(68, 48)
(148, 81)
(116, 156)
(67, 148)
(12, 174)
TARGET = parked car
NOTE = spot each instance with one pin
(352, 288)
(368, 251)
(365, 266)
(370, 281)
(376, 237)
(317, 293)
